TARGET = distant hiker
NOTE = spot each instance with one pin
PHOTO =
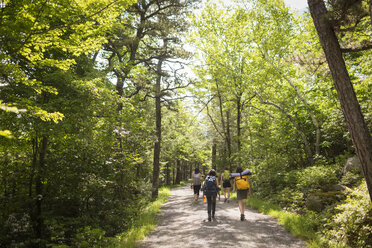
(241, 183)
(226, 185)
(210, 190)
(196, 183)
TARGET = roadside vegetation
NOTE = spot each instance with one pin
(104, 102)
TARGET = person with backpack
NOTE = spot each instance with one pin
(196, 183)
(226, 185)
(210, 190)
(241, 183)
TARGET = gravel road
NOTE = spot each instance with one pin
(184, 224)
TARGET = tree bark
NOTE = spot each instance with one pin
(157, 148)
(178, 171)
(349, 103)
(167, 175)
(225, 128)
(39, 188)
(238, 121)
(228, 139)
(214, 154)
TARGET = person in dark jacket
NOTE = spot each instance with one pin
(210, 190)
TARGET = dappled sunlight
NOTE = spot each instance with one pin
(184, 223)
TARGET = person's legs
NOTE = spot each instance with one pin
(213, 198)
(196, 192)
(242, 208)
(228, 193)
(209, 208)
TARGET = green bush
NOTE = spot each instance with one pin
(90, 237)
(316, 178)
(291, 199)
(352, 225)
(352, 178)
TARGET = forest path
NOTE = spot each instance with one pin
(183, 223)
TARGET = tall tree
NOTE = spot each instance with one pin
(354, 118)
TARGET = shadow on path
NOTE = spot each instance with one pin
(183, 223)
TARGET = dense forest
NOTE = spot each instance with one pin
(105, 101)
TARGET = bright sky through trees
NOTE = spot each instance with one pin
(296, 4)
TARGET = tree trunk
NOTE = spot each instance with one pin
(173, 176)
(184, 167)
(349, 103)
(156, 165)
(179, 173)
(238, 122)
(225, 128)
(228, 139)
(39, 189)
(214, 154)
(167, 175)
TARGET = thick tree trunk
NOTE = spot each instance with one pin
(349, 103)
(156, 165)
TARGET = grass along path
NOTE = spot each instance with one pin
(145, 224)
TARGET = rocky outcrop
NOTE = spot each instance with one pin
(352, 164)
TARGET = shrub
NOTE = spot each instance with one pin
(352, 178)
(352, 225)
(315, 178)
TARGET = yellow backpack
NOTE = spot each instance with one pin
(242, 182)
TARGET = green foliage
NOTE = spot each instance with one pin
(352, 225)
(316, 177)
(352, 178)
(144, 224)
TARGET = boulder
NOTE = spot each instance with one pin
(314, 203)
(352, 164)
(336, 187)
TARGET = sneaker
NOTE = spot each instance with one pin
(242, 217)
(225, 200)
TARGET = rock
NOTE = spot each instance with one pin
(336, 187)
(314, 203)
(352, 164)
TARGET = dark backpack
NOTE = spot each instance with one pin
(210, 186)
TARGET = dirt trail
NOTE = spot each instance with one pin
(184, 224)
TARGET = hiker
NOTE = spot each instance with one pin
(196, 183)
(241, 183)
(210, 190)
(226, 185)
